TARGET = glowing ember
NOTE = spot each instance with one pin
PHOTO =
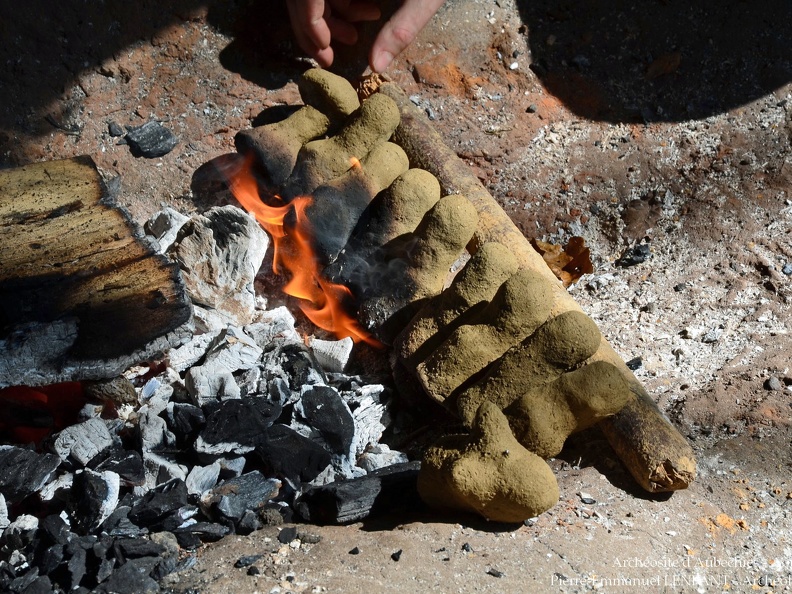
(323, 302)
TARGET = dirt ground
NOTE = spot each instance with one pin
(661, 125)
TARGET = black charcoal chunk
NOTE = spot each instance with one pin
(286, 453)
(159, 503)
(633, 256)
(23, 471)
(380, 492)
(232, 498)
(248, 523)
(92, 498)
(190, 537)
(185, 420)
(247, 561)
(396, 555)
(150, 140)
(133, 577)
(41, 585)
(237, 425)
(114, 129)
(324, 410)
(135, 548)
(54, 530)
(119, 525)
(288, 534)
(127, 464)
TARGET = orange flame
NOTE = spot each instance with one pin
(323, 302)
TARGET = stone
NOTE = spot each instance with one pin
(118, 390)
(487, 472)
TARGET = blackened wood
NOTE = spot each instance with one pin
(77, 272)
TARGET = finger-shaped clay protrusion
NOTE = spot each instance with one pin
(274, 147)
(559, 345)
(475, 285)
(487, 472)
(546, 415)
(331, 94)
(519, 307)
(423, 260)
(336, 206)
(319, 161)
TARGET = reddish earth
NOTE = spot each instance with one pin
(667, 125)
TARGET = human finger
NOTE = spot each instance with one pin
(400, 31)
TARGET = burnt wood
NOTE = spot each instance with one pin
(78, 278)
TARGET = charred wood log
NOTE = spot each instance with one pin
(83, 294)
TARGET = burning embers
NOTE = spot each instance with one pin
(323, 302)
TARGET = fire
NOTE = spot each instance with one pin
(323, 302)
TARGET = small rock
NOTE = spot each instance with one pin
(787, 269)
(355, 551)
(586, 498)
(634, 363)
(253, 571)
(532, 108)
(773, 384)
(396, 555)
(288, 534)
(633, 256)
(494, 572)
(114, 129)
(247, 561)
(151, 140)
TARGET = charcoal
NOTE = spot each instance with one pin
(192, 536)
(632, 256)
(133, 577)
(202, 478)
(153, 431)
(49, 559)
(288, 454)
(55, 530)
(92, 499)
(23, 472)
(237, 426)
(159, 503)
(127, 464)
(119, 525)
(276, 323)
(105, 569)
(207, 383)
(4, 520)
(21, 532)
(58, 488)
(159, 469)
(247, 561)
(185, 420)
(278, 390)
(83, 441)
(164, 226)
(41, 585)
(323, 409)
(24, 581)
(350, 501)
(76, 565)
(134, 548)
(288, 534)
(150, 140)
(292, 362)
(234, 497)
(248, 523)
(186, 513)
(166, 565)
(103, 545)
(332, 355)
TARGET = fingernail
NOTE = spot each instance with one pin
(381, 61)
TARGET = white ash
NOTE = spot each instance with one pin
(332, 355)
(210, 382)
(83, 441)
(58, 487)
(4, 521)
(182, 358)
(164, 226)
(202, 478)
(379, 456)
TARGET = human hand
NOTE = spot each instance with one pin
(318, 23)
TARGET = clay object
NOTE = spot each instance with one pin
(426, 257)
(520, 306)
(331, 94)
(274, 147)
(487, 472)
(336, 206)
(396, 211)
(531, 384)
(474, 286)
(319, 161)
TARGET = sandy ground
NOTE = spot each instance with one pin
(666, 126)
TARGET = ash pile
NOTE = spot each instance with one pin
(242, 425)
